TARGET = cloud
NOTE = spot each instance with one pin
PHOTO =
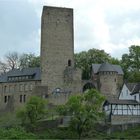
(112, 25)
(18, 25)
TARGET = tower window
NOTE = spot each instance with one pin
(8, 97)
(24, 98)
(5, 99)
(20, 99)
(69, 62)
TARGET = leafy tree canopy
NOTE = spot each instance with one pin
(85, 59)
(84, 110)
(29, 60)
(34, 110)
(131, 64)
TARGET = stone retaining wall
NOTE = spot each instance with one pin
(119, 119)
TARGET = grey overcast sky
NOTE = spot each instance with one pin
(112, 25)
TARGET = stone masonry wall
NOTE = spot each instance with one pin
(56, 45)
(57, 51)
(108, 84)
(15, 94)
(119, 119)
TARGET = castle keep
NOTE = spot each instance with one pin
(57, 51)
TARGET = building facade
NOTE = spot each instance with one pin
(16, 87)
(57, 78)
(125, 108)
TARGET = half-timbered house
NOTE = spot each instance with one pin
(125, 108)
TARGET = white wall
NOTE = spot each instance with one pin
(137, 97)
(125, 94)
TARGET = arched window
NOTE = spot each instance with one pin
(69, 62)
(56, 91)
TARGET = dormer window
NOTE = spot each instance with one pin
(20, 78)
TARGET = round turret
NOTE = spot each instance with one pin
(107, 79)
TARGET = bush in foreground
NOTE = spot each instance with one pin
(16, 133)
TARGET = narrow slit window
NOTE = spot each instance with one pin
(69, 62)
(24, 98)
(20, 99)
(8, 97)
(5, 99)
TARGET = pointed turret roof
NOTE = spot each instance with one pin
(106, 67)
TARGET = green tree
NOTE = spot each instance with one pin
(131, 64)
(84, 60)
(16, 133)
(134, 76)
(34, 110)
(125, 63)
(134, 55)
(29, 60)
(114, 61)
(84, 110)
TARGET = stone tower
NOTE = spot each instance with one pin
(57, 48)
(107, 80)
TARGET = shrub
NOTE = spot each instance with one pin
(16, 133)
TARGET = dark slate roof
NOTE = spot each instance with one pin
(106, 67)
(136, 88)
(133, 87)
(122, 102)
(36, 72)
